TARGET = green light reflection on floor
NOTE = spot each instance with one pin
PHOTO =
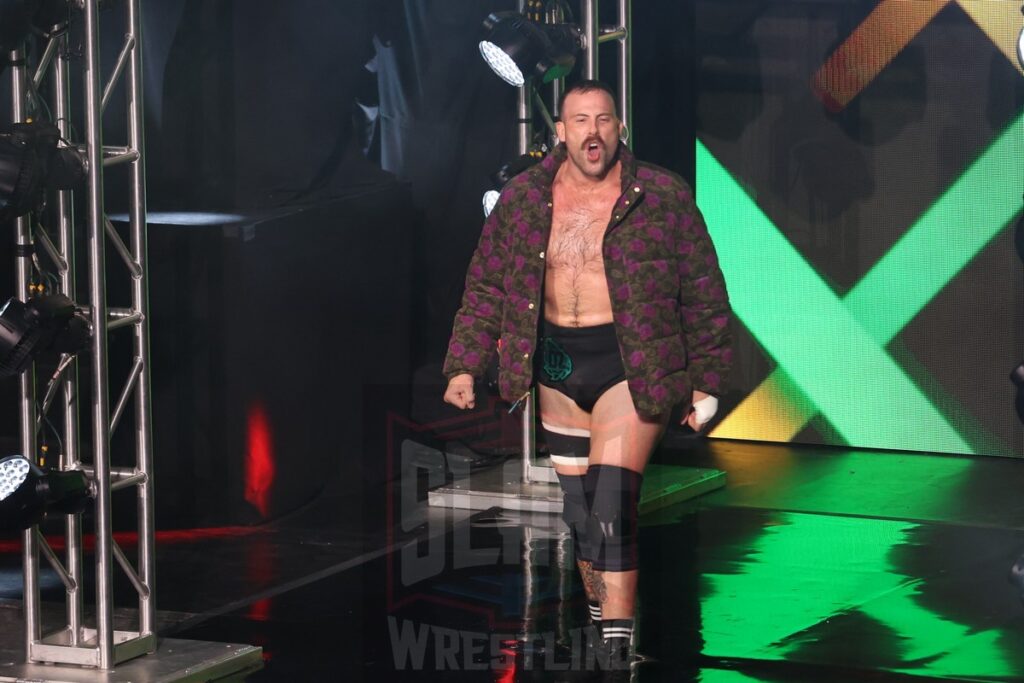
(797, 574)
(806, 569)
(939, 646)
(725, 676)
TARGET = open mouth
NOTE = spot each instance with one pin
(593, 150)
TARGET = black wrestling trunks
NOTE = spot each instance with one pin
(580, 362)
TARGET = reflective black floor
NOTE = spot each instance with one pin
(811, 565)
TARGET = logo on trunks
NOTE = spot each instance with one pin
(557, 363)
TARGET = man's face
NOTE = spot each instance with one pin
(590, 130)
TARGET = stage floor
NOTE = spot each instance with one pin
(812, 564)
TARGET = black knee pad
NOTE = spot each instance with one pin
(574, 512)
(613, 496)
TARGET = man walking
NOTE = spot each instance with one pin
(597, 274)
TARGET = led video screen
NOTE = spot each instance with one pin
(859, 167)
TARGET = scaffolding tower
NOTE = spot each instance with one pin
(93, 644)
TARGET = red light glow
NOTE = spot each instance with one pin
(259, 459)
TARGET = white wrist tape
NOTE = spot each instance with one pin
(705, 409)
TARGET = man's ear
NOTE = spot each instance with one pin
(560, 131)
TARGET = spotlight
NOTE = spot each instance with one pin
(507, 173)
(490, 200)
(516, 47)
(30, 163)
(44, 325)
(27, 492)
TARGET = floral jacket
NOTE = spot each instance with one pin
(669, 301)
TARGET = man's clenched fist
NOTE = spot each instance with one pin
(460, 392)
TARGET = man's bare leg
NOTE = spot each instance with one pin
(559, 412)
(621, 438)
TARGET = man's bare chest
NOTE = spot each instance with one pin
(577, 232)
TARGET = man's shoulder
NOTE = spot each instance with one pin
(522, 188)
(518, 196)
(659, 179)
(534, 177)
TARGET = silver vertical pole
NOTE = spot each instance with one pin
(98, 307)
(524, 128)
(557, 88)
(71, 457)
(626, 69)
(26, 381)
(556, 15)
(529, 435)
(524, 107)
(591, 30)
(524, 116)
(140, 302)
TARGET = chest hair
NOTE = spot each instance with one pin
(576, 238)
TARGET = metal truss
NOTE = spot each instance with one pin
(97, 644)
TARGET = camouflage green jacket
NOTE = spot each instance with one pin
(669, 301)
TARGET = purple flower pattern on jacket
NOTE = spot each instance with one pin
(669, 300)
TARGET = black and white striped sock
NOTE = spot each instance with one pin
(595, 612)
(617, 631)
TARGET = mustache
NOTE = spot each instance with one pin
(592, 138)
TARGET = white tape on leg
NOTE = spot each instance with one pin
(705, 409)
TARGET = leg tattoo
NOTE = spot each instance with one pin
(587, 574)
(600, 590)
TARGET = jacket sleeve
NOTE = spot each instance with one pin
(704, 301)
(478, 320)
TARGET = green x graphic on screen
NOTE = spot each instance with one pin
(831, 352)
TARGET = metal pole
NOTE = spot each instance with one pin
(591, 31)
(524, 107)
(71, 457)
(626, 69)
(557, 88)
(556, 15)
(26, 381)
(529, 434)
(140, 302)
(524, 119)
(524, 138)
(98, 307)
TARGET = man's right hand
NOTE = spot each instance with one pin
(460, 391)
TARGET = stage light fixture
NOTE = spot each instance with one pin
(507, 173)
(490, 201)
(50, 324)
(32, 162)
(516, 47)
(28, 491)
